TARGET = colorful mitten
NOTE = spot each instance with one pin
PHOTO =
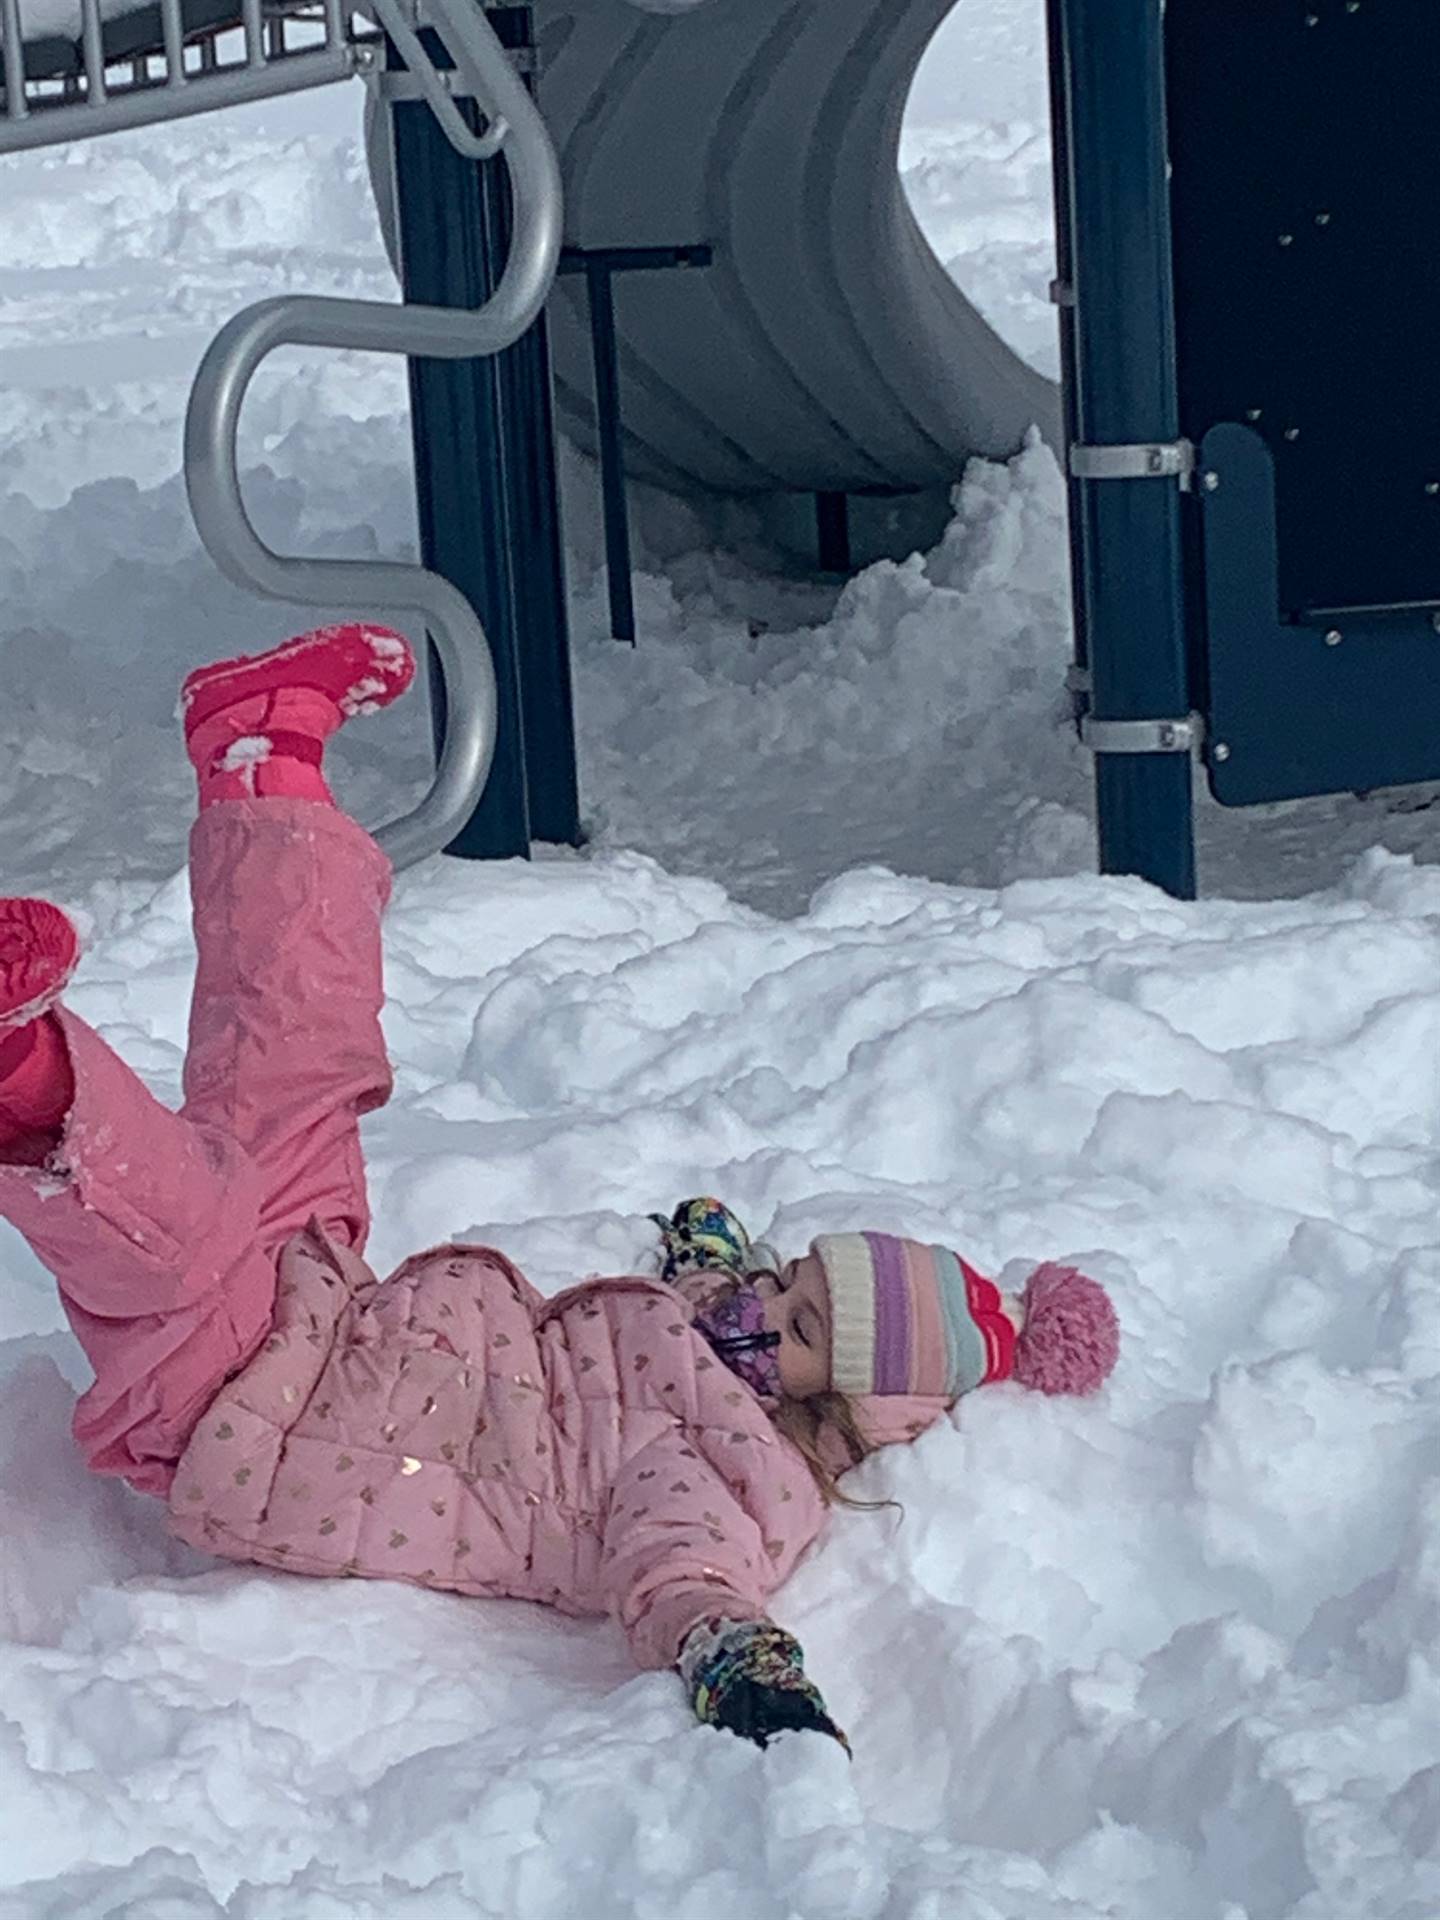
(705, 1233)
(704, 1241)
(748, 1676)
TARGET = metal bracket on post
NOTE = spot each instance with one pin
(403, 85)
(438, 93)
(1079, 686)
(1162, 460)
(1142, 736)
(392, 84)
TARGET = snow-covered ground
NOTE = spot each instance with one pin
(833, 953)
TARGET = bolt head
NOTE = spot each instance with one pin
(1292, 433)
(1287, 239)
(1221, 751)
(1334, 637)
(1211, 480)
(1432, 486)
(1435, 621)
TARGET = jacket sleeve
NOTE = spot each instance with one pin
(678, 1549)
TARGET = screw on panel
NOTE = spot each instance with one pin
(1221, 751)
(1322, 219)
(1287, 239)
(1292, 433)
(1253, 413)
(1211, 480)
(1432, 486)
(1334, 637)
(1435, 621)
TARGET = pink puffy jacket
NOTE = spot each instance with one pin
(455, 1428)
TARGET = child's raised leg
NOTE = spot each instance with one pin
(285, 1049)
(149, 1225)
(162, 1228)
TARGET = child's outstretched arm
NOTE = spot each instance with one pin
(686, 1568)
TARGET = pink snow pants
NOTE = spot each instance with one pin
(163, 1229)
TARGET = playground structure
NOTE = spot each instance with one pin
(1253, 506)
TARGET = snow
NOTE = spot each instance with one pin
(1171, 1651)
(836, 954)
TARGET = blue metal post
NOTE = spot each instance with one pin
(1063, 296)
(1114, 203)
(485, 476)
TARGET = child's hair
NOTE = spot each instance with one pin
(807, 1424)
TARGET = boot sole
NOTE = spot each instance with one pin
(361, 668)
(39, 950)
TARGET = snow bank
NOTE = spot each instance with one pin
(1170, 1652)
(975, 159)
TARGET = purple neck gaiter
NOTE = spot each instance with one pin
(734, 1325)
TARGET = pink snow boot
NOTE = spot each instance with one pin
(38, 952)
(256, 727)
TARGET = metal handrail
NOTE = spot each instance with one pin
(213, 416)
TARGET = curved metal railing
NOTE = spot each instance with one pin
(212, 419)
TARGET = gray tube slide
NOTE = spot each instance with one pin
(826, 348)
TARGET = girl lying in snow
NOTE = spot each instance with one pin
(662, 1449)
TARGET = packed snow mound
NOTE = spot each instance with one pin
(1169, 1651)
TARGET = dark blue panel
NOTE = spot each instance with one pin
(1345, 702)
(1305, 142)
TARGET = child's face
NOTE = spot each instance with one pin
(799, 1311)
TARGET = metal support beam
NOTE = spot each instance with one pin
(832, 532)
(600, 292)
(600, 265)
(486, 476)
(1113, 202)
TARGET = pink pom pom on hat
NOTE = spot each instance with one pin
(1071, 1339)
(908, 1318)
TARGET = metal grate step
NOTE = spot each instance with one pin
(169, 60)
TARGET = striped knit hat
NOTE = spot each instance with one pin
(909, 1318)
